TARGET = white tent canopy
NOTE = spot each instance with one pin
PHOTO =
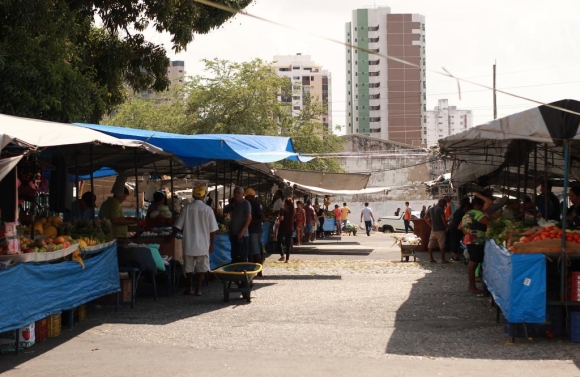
(533, 137)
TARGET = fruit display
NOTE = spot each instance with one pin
(547, 240)
(498, 230)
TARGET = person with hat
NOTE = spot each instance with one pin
(82, 208)
(255, 228)
(241, 216)
(111, 210)
(198, 225)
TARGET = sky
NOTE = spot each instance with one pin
(535, 45)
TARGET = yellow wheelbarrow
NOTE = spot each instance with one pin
(241, 274)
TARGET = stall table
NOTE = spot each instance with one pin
(36, 290)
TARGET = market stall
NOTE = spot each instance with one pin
(516, 153)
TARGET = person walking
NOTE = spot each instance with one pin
(344, 211)
(367, 215)
(241, 217)
(423, 211)
(198, 225)
(286, 228)
(407, 218)
(435, 218)
(338, 219)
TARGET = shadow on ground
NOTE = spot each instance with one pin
(441, 319)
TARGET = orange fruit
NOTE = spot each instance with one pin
(58, 240)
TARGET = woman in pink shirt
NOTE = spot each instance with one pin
(300, 218)
(337, 218)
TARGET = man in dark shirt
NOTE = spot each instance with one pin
(551, 211)
(239, 222)
(435, 218)
(255, 228)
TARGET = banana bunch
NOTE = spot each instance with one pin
(89, 241)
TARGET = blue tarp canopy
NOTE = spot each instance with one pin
(195, 150)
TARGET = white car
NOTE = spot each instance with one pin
(391, 224)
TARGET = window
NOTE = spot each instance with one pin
(311, 78)
(324, 119)
(356, 85)
(357, 108)
(424, 119)
(357, 119)
(296, 107)
(355, 28)
(355, 40)
(363, 107)
(296, 78)
(180, 71)
(424, 131)
(283, 69)
(296, 98)
(356, 63)
(296, 68)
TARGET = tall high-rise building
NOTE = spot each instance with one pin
(386, 98)
(176, 72)
(443, 121)
(309, 80)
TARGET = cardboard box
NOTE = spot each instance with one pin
(124, 295)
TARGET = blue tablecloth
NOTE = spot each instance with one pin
(329, 225)
(32, 291)
(222, 251)
(517, 283)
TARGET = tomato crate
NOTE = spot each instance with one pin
(54, 325)
(41, 330)
(574, 286)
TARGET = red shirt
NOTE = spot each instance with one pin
(337, 214)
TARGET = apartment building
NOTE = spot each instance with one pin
(386, 99)
(443, 121)
(309, 80)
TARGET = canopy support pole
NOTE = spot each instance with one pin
(171, 185)
(563, 258)
(224, 189)
(136, 193)
(92, 182)
(215, 206)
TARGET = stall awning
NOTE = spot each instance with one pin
(484, 151)
(195, 150)
(326, 181)
(7, 164)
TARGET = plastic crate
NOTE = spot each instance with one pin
(574, 286)
(574, 329)
(54, 325)
(82, 312)
(525, 330)
(41, 330)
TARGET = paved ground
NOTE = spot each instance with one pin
(341, 307)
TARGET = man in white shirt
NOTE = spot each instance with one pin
(198, 224)
(367, 215)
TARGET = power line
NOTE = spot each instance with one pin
(444, 73)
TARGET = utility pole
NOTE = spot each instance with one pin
(494, 97)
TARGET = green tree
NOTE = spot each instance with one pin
(236, 98)
(55, 64)
(164, 111)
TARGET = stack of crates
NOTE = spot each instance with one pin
(573, 286)
(41, 330)
(54, 325)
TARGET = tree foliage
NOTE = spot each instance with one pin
(56, 64)
(238, 98)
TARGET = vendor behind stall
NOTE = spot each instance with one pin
(82, 208)
(111, 209)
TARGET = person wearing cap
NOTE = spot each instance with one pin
(82, 208)
(241, 216)
(255, 228)
(198, 225)
(111, 210)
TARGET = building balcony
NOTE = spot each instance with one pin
(373, 40)
(374, 62)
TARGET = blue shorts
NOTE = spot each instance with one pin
(255, 243)
(308, 229)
